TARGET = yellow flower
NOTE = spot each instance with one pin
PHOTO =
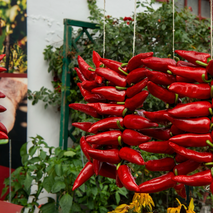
(191, 207)
(123, 208)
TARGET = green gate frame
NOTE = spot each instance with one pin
(68, 44)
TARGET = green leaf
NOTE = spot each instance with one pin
(34, 160)
(66, 203)
(43, 154)
(163, 27)
(117, 197)
(48, 208)
(69, 153)
(28, 181)
(102, 209)
(48, 182)
(58, 169)
(57, 186)
(24, 159)
(23, 150)
(4, 190)
(32, 150)
(76, 207)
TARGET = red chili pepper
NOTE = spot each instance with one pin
(199, 91)
(136, 101)
(164, 164)
(3, 135)
(84, 67)
(113, 65)
(89, 85)
(2, 69)
(83, 91)
(199, 74)
(158, 184)
(85, 108)
(160, 116)
(191, 140)
(109, 109)
(193, 125)
(132, 91)
(209, 68)
(96, 59)
(157, 147)
(191, 154)
(110, 93)
(109, 156)
(84, 147)
(2, 95)
(182, 79)
(2, 108)
(159, 64)
(83, 125)
(180, 158)
(185, 64)
(94, 98)
(135, 61)
(198, 179)
(127, 179)
(105, 138)
(136, 75)
(193, 56)
(137, 122)
(133, 138)
(176, 131)
(84, 175)
(194, 109)
(3, 128)
(108, 170)
(117, 180)
(2, 56)
(161, 93)
(131, 156)
(96, 166)
(161, 133)
(106, 124)
(99, 79)
(181, 190)
(186, 167)
(111, 75)
(160, 78)
(80, 74)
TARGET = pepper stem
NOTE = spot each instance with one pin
(169, 72)
(209, 143)
(91, 69)
(175, 57)
(122, 88)
(3, 141)
(176, 172)
(124, 64)
(118, 165)
(107, 83)
(121, 103)
(119, 140)
(201, 63)
(210, 111)
(208, 164)
(208, 60)
(135, 113)
(212, 171)
(102, 65)
(124, 112)
(171, 134)
(125, 73)
(211, 126)
(211, 91)
(176, 98)
(119, 125)
(204, 79)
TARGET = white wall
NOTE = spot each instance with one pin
(45, 27)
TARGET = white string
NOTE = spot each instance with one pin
(133, 48)
(211, 25)
(104, 37)
(173, 30)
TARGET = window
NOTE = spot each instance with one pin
(201, 8)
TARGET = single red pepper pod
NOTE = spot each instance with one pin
(189, 110)
(199, 91)
(109, 156)
(136, 101)
(96, 59)
(110, 93)
(2, 108)
(83, 91)
(157, 147)
(89, 85)
(191, 139)
(131, 156)
(199, 74)
(80, 74)
(161, 93)
(135, 61)
(198, 179)
(137, 122)
(136, 75)
(127, 179)
(202, 157)
(161, 133)
(84, 147)
(158, 184)
(108, 170)
(193, 56)
(185, 64)
(181, 190)
(94, 98)
(84, 67)
(84, 175)
(2, 56)
(105, 138)
(159, 64)
(2, 69)
(106, 124)
(111, 75)
(135, 89)
(117, 180)
(176, 131)
(133, 138)
(164, 164)
(209, 68)
(109, 109)
(96, 166)
(99, 79)
(3, 128)
(199, 125)
(186, 167)
(2, 95)
(160, 78)
(160, 116)
(85, 108)
(182, 79)
(83, 125)
(180, 158)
